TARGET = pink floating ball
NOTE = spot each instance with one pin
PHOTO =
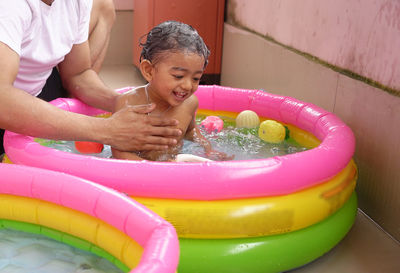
(212, 124)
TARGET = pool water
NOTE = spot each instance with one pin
(243, 143)
(22, 252)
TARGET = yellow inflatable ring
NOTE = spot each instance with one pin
(87, 216)
(253, 217)
(70, 226)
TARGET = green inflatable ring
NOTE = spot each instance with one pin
(274, 253)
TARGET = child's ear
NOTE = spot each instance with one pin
(146, 68)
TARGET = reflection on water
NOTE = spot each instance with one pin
(22, 252)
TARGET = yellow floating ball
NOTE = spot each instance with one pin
(271, 131)
(247, 119)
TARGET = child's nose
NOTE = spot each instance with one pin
(187, 84)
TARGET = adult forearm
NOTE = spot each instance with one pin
(89, 88)
(127, 130)
(23, 113)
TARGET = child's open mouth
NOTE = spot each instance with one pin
(180, 95)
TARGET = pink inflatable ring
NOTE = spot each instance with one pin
(89, 216)
(278, 175)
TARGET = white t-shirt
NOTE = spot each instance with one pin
(42, 35)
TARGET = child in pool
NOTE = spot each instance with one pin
(172, 61)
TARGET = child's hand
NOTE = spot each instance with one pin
(219, 156)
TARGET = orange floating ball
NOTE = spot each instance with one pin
(87, 147)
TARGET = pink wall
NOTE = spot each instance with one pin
(359, 35)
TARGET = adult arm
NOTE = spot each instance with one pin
(25, 114)
(83, 82)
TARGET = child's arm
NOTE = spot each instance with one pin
(194, 134)
(125, 155)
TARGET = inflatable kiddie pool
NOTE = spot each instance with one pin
(87, 216)
(234, 215)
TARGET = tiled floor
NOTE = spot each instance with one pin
(365, 249)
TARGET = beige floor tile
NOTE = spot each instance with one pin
(365, 249)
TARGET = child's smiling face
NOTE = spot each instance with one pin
(176, 76)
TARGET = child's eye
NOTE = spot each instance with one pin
(196, 79)
(178, 76)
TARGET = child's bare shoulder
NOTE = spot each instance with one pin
(133, 97)
(134, 93)
(192, 102)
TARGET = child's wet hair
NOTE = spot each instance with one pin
(172, 36)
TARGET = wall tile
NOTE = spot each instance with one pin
(374, 116)
(250, 61)
(242, 59)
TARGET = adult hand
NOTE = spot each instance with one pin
(131, 129)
